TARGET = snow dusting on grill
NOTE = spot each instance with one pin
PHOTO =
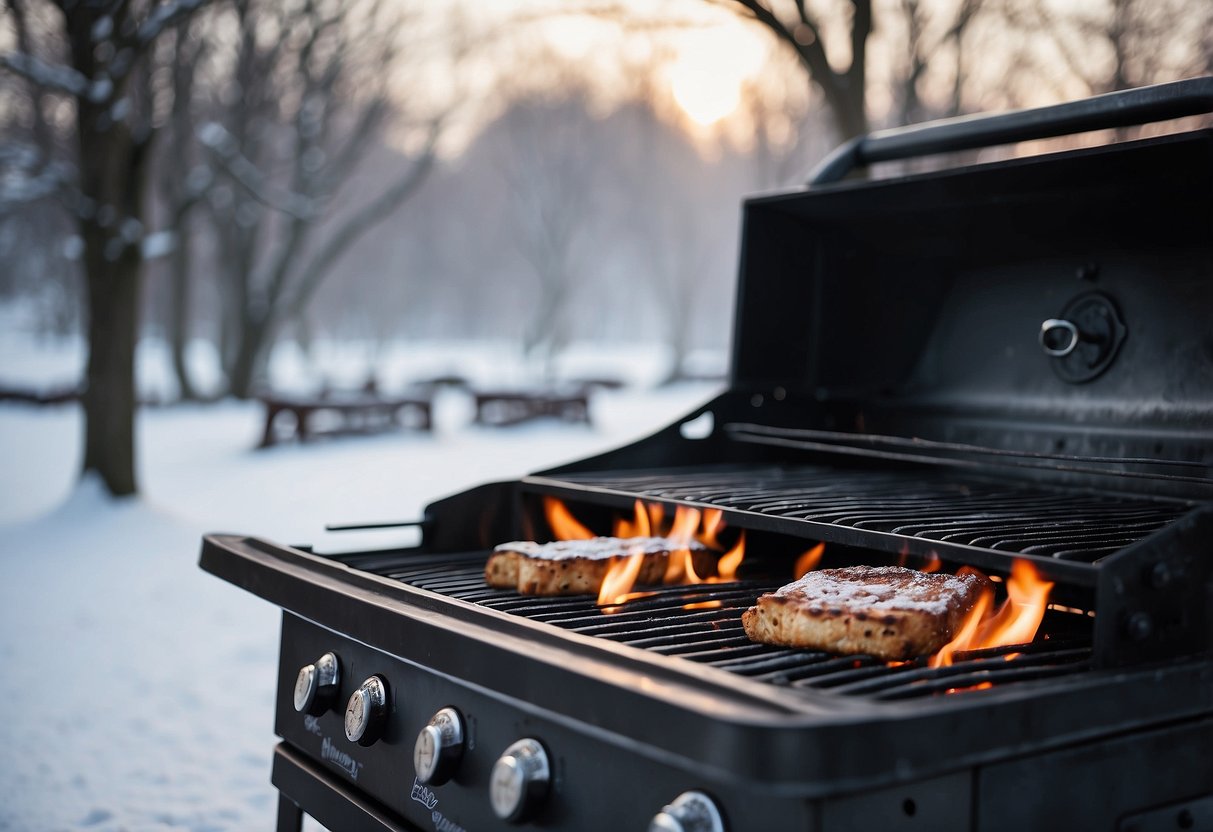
(882, 588)
(598, 548)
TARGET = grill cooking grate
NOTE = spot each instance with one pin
(713, 636)
(1069, 526)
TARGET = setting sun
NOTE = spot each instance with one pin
(707, 76)
(704, 92)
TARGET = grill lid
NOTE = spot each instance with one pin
(916, 307)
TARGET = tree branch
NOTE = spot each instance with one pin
(224, 147)
(374, 212)
(58, 78)
(164, 16)
(840, 90)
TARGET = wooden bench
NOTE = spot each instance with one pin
(501, 408)
(353, 413)
(54, 396)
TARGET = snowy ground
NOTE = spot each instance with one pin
(139, 689)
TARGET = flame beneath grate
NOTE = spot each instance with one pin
(688, 526)
(1015, 622)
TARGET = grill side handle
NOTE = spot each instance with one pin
(1125, 108)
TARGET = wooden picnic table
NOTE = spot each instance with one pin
(353, 413)
(504, 407)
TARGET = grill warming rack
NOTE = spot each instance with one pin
(967, 520)
(965, 455)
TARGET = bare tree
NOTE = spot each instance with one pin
(932, 33)
(308, 104)
(545, 159)
(800, 28)
(183, 179)
(928, 34)
(100, 57)
(1119, 44)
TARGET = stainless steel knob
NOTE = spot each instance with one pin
(317, 685)
(366, 712)
(689, 812)
(520, 781)
(439, 748)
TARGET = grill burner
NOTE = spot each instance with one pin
(1000, 362)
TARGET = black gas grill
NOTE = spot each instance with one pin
(1002, 362)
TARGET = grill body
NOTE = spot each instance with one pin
(901, 388)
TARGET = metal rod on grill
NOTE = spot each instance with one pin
(791, 438)
(356, 527)
(931, 444)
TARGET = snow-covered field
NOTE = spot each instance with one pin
(139, 689)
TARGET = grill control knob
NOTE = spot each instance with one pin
(439, 748)
(366, 712)
(520, 780)
(690, 812)
(317, 684)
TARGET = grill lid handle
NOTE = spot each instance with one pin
(1059, 337)
(1125, 108)
(1085, 338)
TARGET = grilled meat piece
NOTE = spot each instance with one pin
(887, 612)
(576, 567)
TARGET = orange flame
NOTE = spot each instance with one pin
(933, 565)
(639, 527)
(808, 561)
(1020, 616)
(968, 630)
(679, 568)
(978, 686)
(656, 517)
(686, 522)
(619, 579)
(726, 568)
(688, 525)
(1016, 622)
(563, 524)
(712, 524)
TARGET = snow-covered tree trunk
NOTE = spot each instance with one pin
(178, 324)
(110, 79)
(109, 395)
(111, 163)
(249, 357)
